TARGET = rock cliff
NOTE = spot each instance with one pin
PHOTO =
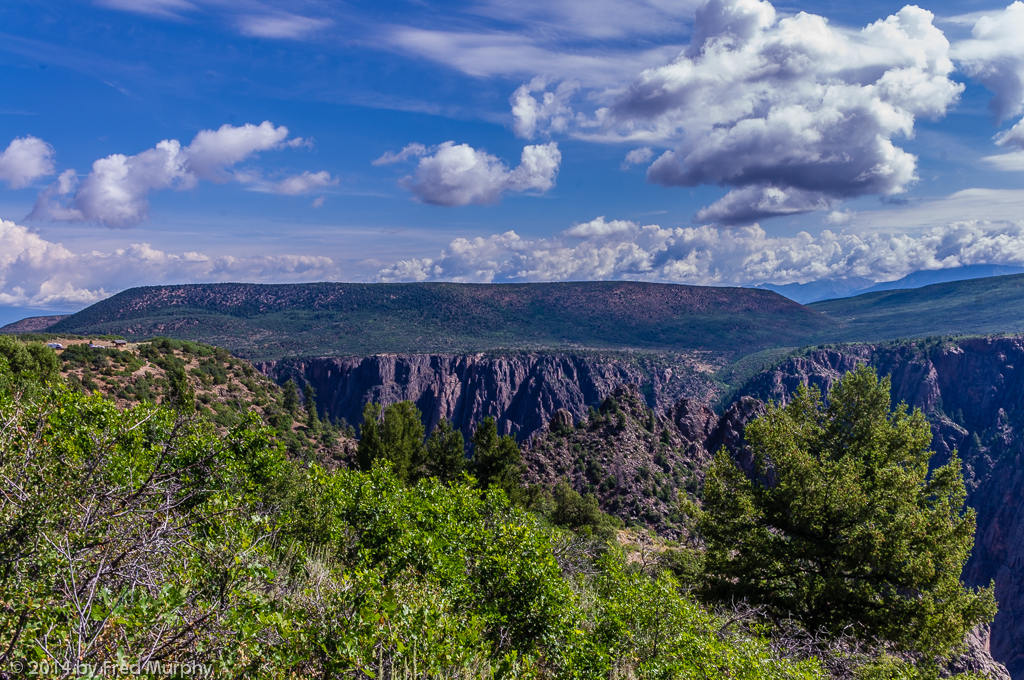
(521, 390)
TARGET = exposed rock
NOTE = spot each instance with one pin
(977, 658)
(632, 459)
(561, 420)
(522, 391)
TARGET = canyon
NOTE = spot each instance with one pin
(972, 391)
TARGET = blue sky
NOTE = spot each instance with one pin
(734, 142)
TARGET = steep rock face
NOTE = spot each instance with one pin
(522, 391)
(973, 394)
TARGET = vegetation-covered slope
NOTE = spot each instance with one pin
(344, 319)
(339, 319)
(978, 306)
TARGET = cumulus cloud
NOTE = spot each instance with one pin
(791, 113)
(708, 255)
(25, 159)
(550, 113)
(37, 272)
(749, 204)
(457, 174)
(840, 217)
(116, 191)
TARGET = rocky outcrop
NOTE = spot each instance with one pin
(977, 658)
(522, 391)
(634, 460)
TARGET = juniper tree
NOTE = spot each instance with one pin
(842, 525)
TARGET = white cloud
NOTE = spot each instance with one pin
(37, 272)
(25, 159)
(751, 203)
(710, 255)
(165, 9)
(487, 54)
(598, 19)
(638, 157)
(994, 55)
(413, 150)
(116, 191)
(458, 174)
(281, 26)
(551, 113)
(791, 113)
(1008, 162)
(1014, 137)
(600, 228)
(838, 217)
(213, 151)
(304, 183)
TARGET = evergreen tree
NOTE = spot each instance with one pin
(446, 452)
(290, 398)
(371, 447)
(395, 435)
(497, 460)
(312, 419)
(842, 526)
(180, 393)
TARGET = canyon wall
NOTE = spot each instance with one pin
(521, 390)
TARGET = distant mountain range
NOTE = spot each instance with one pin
(830, 289)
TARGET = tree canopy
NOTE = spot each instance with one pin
(842, 525)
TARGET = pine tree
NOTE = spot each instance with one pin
(395, 435)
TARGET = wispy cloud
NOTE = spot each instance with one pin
(164, 9)
(487, 54)
(281, 26)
